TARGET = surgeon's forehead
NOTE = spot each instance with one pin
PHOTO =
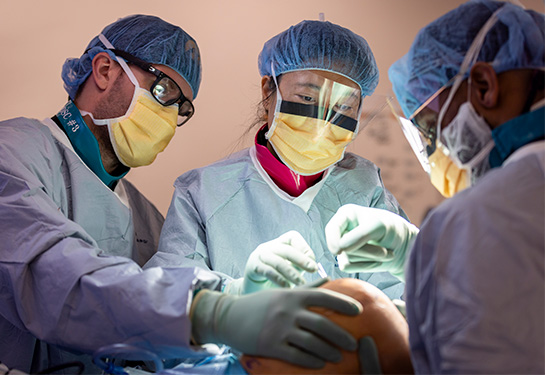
(315, 78)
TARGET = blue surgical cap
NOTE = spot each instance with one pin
(322, 46)
(516, 41)
(146, 37)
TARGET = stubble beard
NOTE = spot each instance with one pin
(115, 104)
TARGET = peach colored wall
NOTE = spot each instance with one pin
(37, 36)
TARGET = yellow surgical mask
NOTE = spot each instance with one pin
(144, 130)
(311, 131)
(308, 145)
(445, 175)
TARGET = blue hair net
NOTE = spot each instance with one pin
(516, 41)
(146, 37)
(323, 46)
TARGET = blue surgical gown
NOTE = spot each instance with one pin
(70, 256)
(476, 275)
(220, 213)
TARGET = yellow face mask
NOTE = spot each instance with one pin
(313, 126)
(308, 145)
(445, 175)
(139, 137)
(143, 132)
(145, 129)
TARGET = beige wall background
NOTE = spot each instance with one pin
(37, 36)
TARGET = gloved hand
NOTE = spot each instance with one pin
(275, 323)
(370, 239)
(277, 263)
(368, 356)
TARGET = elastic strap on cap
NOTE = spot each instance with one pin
(470, 57)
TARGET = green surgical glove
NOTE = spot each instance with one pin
(275, 323)
(369, 239)
(277, 263)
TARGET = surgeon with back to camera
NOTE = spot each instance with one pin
(472, 86)
(74, 233)
(258, 216)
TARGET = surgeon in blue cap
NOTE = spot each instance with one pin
(258, 216)
(471, 89)
(74, 233)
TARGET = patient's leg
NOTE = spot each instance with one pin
(379, 319)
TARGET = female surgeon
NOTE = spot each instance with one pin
(257, 218)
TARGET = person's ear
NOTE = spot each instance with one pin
(267, 91)
(485, 89)
(103, 70)
(267, 85)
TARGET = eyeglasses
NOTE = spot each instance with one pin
(425, 118)
(165, 90)
(413, 135)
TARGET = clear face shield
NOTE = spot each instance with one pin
(437, 154)
(420, 129)
(315, 119)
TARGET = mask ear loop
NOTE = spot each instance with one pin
(469, 59)
(277, 105)
(121, 62)
(132, 78)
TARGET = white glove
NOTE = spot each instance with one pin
(369, 239)
(275, 323)
(277, 263)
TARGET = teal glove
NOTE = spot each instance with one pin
(277, 263)
(275, 323)
(368, 356)
(370, 239)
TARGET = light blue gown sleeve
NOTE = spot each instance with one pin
(183, 240)
(183, 237)
(475, 290)
(59, 286)
(384, 199)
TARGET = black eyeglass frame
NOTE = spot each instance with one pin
(144, 65)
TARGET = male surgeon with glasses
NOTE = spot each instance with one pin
(74, 234)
